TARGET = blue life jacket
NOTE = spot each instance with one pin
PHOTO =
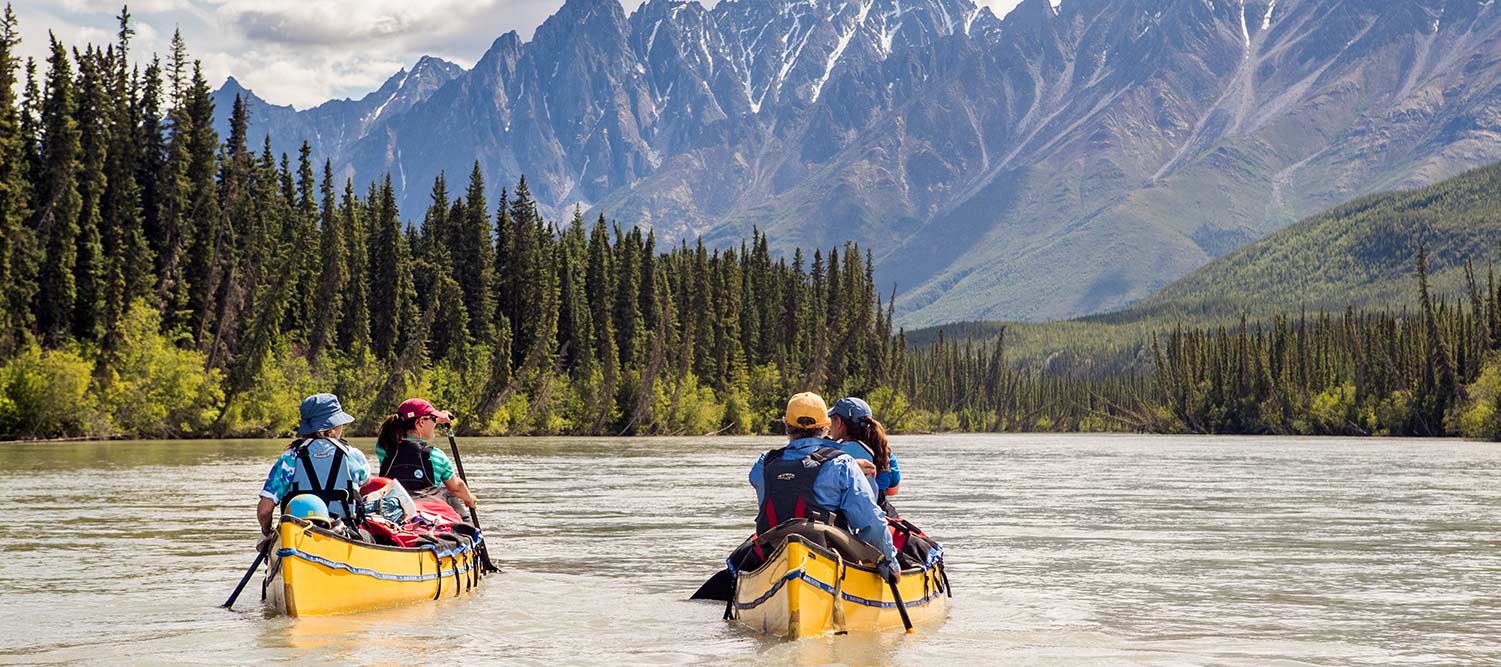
(322, 469)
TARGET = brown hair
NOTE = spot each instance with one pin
(392, 430)
(870, 432)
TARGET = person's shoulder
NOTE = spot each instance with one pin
(826, 444)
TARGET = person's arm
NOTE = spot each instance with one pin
(757, 477)
(263, 512)
(891, 478)
(443, 471)
(359, 466)
(278, 481)
(852, 495)
(460, 489)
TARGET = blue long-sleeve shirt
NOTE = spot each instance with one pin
(839, 486)
(885, 479)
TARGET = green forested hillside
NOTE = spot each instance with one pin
(1359, 254)
(1362, 254)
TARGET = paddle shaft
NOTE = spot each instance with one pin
(458, 463)
(901, 606)
(260, 557)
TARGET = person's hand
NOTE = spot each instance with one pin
(471, 501)
(890, 571)
(866, 467)
(443, 417)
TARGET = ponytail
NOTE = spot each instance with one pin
(392, 430)
(870, 432)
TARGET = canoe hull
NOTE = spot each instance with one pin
(314, 572)
(805, 590)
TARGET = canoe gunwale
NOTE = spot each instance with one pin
(309, 526)
(800, 572)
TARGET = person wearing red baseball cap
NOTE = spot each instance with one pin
(424, 470)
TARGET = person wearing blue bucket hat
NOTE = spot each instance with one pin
(319, 462)
(854, 426)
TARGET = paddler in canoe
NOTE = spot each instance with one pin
(853, 425)
(424, 470)
(320, 463)
(812, 478)
(823, 557)
(346, 541)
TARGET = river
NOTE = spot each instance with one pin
(1075, 549)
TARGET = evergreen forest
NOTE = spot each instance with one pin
(163, 281)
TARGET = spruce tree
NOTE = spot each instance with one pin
(328, 307)
(201, 245)
(629, 333)
(15, 200)
(354, 326)
(575, 321)
(474, 258)
(59, 203)
(392, 307)
(599, 286)
(91, 270)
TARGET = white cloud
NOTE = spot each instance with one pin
(300, 52)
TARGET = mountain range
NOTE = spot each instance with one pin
(1064, 160)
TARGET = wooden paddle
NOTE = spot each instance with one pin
(260, 557)
(484, 548)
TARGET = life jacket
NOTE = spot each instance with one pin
(410, 464)
(787, 485)
(326, 475)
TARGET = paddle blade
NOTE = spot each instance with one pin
(719, 587)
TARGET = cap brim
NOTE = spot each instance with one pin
(340, 419)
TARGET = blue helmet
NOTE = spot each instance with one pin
(309, 507)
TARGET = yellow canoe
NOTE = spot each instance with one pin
(808, 590)
(314, 571)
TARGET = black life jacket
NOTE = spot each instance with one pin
(787, 486)
(327, 478)
(411, 465)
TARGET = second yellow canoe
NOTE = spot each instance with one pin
(807, 590)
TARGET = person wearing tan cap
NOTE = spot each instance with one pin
(811, 478)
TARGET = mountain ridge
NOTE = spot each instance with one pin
(1130, 141)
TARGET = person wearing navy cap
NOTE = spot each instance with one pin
(854, 426)
(319, 462)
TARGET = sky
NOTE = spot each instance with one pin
(299, 52)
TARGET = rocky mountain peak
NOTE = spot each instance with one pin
(1128, 140)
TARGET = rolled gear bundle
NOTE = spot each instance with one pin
(386, 498)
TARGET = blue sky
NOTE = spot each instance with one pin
(300, 52)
